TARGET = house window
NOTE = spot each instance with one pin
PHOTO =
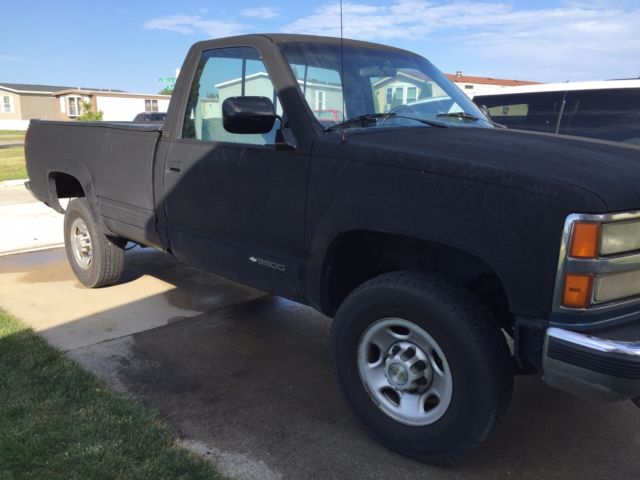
(320, 99)
(7, 104)
(322, 90)
(75, 106)
(150, 105)
(412, 94)
(400, 95)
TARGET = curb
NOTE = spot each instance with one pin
(32, 249)
(13, 183)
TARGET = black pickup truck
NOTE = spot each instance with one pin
(451, 254)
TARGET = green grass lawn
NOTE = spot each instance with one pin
(12, 164)
(12, 135)
(59, 422)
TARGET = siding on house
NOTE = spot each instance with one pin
(116, 108)
(332, 96)
(259, 84)
(39, 106)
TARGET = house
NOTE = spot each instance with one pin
(23, 102)
(116, 105)
(321, 95)
(483, 85)
(403, 88)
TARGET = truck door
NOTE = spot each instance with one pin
(234, 203)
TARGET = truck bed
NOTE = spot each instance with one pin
(114, 163)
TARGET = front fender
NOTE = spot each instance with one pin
(510, 254)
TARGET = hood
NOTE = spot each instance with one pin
(550, 165)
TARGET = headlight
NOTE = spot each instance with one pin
(594, 239)
(610, 245)
(614, 286)
(620, 237)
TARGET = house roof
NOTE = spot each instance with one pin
(108, 93)
(32, 88)
(488, 80)
(24, 87)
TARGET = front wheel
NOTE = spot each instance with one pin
(422, 364)
(96, 259)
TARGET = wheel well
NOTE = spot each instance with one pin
(66, 186)
(357, 256)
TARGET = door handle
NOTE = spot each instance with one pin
(174, 166)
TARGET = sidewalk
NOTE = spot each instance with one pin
(11, 143)
(25, 223)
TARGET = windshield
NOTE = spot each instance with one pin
(380, 88)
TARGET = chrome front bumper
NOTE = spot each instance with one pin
(591, 366)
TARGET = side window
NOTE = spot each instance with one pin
(517, 110)
(224, 73)
(322, 90)
(527, 111)
(608, 114)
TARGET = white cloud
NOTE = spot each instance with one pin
(260, 12)
(195, 24)
(576, 39)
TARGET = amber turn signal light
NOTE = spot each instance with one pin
(577, 291)
(584, 240)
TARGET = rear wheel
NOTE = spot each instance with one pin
(422, 364)
(96, 259)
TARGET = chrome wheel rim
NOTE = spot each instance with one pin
(81, 243)
(405, 371)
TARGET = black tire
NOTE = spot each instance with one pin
(474, 346)
(106, 254)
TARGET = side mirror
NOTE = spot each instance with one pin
(248, 115)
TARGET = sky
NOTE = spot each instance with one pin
(130, 45)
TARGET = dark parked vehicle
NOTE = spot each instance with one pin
(430, 236)
(609, 110)
(150, 117)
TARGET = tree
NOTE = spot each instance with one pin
(167, 90)
(88, 114)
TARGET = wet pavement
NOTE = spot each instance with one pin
(244, 378)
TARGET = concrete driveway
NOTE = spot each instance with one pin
(25, 224)
(244, 378)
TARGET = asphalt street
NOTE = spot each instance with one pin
(244, 378)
